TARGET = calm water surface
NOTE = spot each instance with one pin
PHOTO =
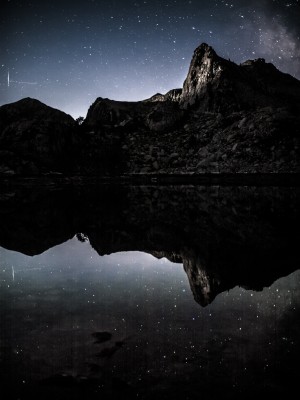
(76, 324)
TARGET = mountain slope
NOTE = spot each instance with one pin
(34, 138)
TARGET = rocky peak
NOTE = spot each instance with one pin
(257, 61)
(219, 85)
(173, 95)
(203, 53)
(204, 76)
(155, 97)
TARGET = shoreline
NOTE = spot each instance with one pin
(217, 179)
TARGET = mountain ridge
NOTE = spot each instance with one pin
(227, 118)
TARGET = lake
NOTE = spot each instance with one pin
(123, 291)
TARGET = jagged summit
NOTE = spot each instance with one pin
(216, 84)
(171, 95)
(219, 85)
(202, 52)
(256, 61)
(204, 74)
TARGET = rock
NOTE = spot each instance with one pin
(173, 155)
(172, 95)
(145, 170)
(155, 165)
(164, 116)
(242, 123)
(203, 163)
(101, 337)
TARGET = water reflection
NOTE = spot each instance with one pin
(78, 325)
(224, 236)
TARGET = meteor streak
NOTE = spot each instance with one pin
(22, 82)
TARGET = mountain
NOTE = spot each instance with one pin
(227, 118)
(218, 85)
(34, 138)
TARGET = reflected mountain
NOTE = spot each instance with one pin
(224, 236)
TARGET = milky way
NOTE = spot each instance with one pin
(77, 51)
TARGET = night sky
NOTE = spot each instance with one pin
(67, 53)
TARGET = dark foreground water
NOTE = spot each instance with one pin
(200, 295)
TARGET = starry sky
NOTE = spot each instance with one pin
(67, 53)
